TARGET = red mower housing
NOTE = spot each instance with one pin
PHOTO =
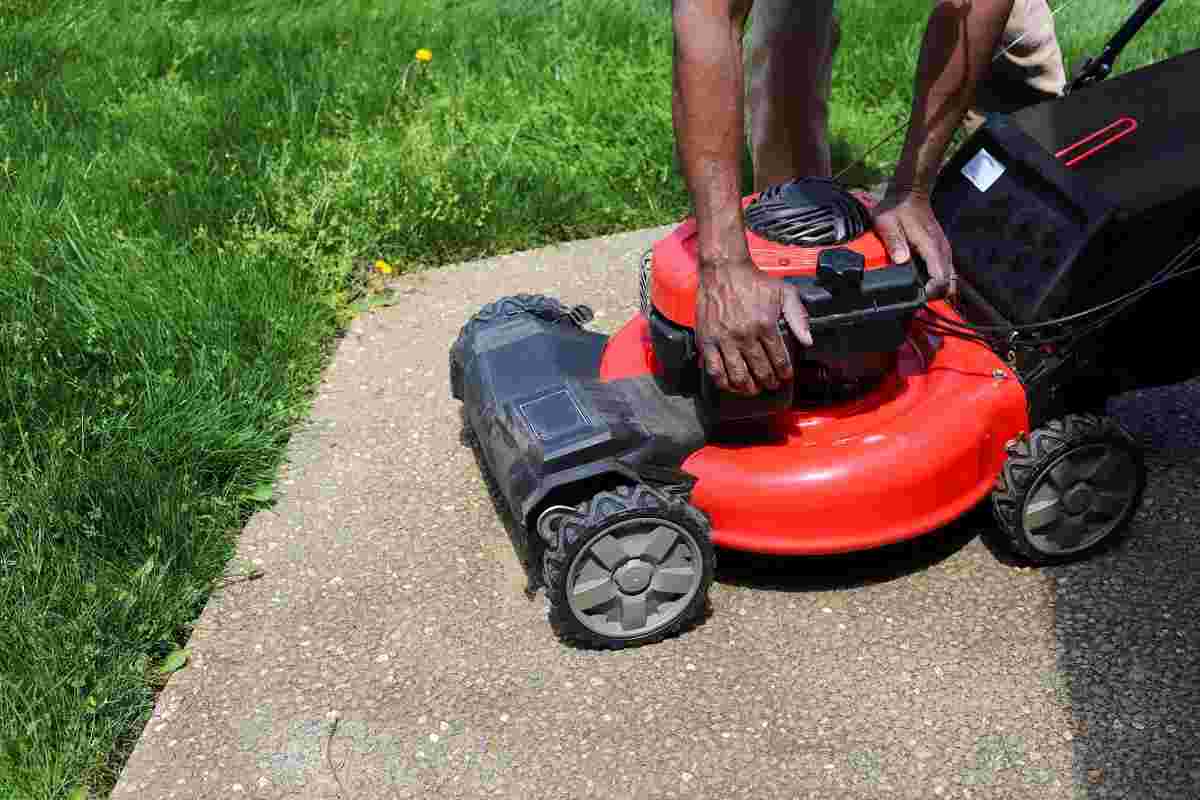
(917, 449)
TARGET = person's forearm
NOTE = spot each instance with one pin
(709, 123)
(960, 42)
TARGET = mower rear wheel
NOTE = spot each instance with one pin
(1069, 489)
(628, 567)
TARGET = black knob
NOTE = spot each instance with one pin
(840, 270)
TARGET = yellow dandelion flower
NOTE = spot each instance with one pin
(424, 55)
(383, 266)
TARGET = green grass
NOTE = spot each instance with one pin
(190, 194)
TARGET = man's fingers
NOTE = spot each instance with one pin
(935, 262)
(890, 230)
(740, 380)
(939, 285)
(714, 365)
(909, 225)
(777, 352)
(796, 316)
(947, 261)
(941, 276)
(929, 240)
(761, 367)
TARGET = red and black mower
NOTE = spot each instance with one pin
(625, 466)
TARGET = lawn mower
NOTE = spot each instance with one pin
(624, 466)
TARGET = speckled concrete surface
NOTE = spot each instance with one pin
(389, 651)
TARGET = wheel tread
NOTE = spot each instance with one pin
(1028, 457)
(588, 517)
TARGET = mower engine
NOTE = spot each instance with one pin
(817, 237)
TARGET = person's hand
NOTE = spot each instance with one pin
(904, 221)
(737, 326)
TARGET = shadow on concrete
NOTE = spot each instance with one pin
(1128, 622)
(826, 573)
(528, 551)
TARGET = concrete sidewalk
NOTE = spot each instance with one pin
(389, 651)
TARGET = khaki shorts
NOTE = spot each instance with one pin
(787, 119)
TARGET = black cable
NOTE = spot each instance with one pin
(955, 332)
(1071, 340)
(1010, 329)
(949, 327)
(933, 327)
(1162, 277)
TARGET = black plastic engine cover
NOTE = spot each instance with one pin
(543, 419)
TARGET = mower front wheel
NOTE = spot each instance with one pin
(1069, 489)
(629, 567)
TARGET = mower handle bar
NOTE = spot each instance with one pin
(1098, 68)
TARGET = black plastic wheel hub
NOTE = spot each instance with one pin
(634, 576)
(1078, 498)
